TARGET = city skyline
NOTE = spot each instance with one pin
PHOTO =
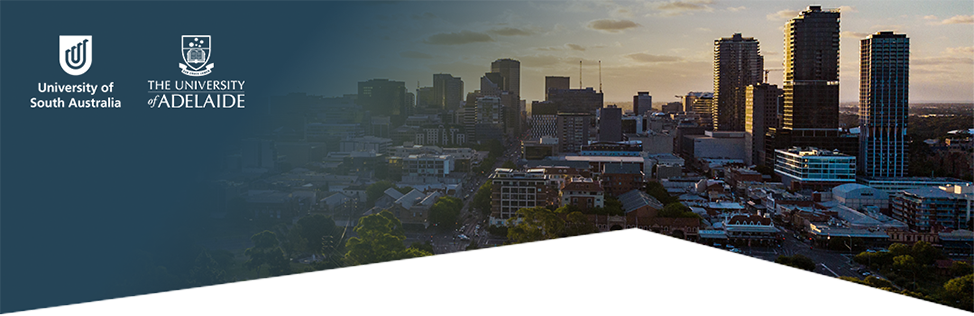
(661, 47)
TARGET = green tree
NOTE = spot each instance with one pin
(316, 230)
(427, 247)
(380, 238)
(899, 249)
(959, 292)
(536, 223)
(266, 252)
(676, 210)
(961, 268)
(509, 165)
(481, 199)
(657, 190)
(444, 212)
(797, 261)
(578, 224)
(613, 207)
(206, 271)
(925, 254)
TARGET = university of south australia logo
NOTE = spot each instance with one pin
(196, 54)
(75, 53)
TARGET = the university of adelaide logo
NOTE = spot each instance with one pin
(196, 54)
(75, 53)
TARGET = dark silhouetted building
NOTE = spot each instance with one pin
(811, 81)
(555, 82)
(610, 124)
(642, 102)
(737, 64)
(576, 100)
(424, 98)
(672, 107)
(761, 114)
(447, 91)
(573, 131)
(385, 98)
(510, 70)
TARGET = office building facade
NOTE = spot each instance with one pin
(737, 64)
(884, 89)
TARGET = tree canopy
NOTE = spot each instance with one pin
(445, 211)
(481, 199)
(267, 252)
(380, 238)
(676, 210)
(536, 223)
(657, 190)
(318, 232)
(796, 261)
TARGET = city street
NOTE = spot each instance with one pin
(830, 263)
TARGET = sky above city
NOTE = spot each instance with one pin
(664, 47)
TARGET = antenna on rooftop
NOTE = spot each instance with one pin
(600, 76)
(579, 74)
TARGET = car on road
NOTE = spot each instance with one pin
(735, 250)
(463, 237)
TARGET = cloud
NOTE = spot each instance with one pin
(549, 48)
(611, 25)
(930, 17)
(676, 8)
(736, 9)
(424, 16)
(537, 61)
(941, 61)
(462, 37)
(959, 19)
(575, 47)
(649, 58)
(413, 54)
(853, 34)
(964, 51)
(782, 15)
(510, 31)
(847, 9)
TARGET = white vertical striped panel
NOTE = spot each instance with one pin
(619, 272)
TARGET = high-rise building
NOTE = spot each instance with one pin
(514, 190)
(576, 100)
(555, 82)
(510, 70)
(692, 97)
(384, 97)
(447, 91)
(703, 108)
(811, 61)
(761, 114)
(424, 97)
(642, 102)
(610, 124)
(737, 64)
(810, 115)
(573, 131)
(884, 89)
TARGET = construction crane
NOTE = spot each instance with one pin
(766, 71)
